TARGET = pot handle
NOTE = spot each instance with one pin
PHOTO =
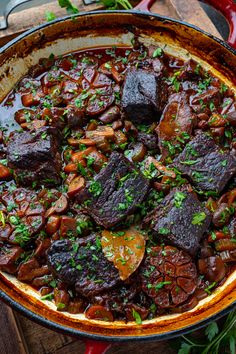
(228, 9)
(11, 5)
(96, 347)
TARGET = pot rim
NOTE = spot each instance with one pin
(131, 12)
(119, 338)
(77, 332)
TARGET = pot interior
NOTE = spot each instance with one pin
(87, 31)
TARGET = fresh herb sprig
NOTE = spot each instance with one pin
(115, 4)
(70, 8)
(218, 339)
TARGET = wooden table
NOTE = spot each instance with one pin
(19, 335)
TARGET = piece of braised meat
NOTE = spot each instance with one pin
(229, 111)
(206, 164)
(180, 220)
(23, 215)
(82, 263)
(35, 156)
(117, 298)
(124, 300)
(144, 96)
(201, 101)
(169, 276)
(115, 192)
(9, 258)
(177, 119)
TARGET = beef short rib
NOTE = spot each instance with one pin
(206, 164)
(143, 96)
(115, 192)
(82, 263)
(180, 220)
(34, 156)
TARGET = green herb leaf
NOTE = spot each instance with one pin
(185, 348)
(217, 341)
(114, 4)
(179, 197)
(189, 162)
(107, 66)
(137, 317)
(163, 231)
(223, 88)
(208, 289)
(157, 52)
(2, 219)
(48, 297)
(224, 163)
(70, 8)
(53, 283)
(212, 106)
(160, 285)
(50, 16)
(61, 306)
(95, 188)
(232, 344)
(212, 330)
(198, 218)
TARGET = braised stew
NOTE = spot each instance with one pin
(118, 182)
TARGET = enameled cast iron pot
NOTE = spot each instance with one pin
(103, 29)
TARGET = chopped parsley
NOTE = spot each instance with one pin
(137, 317)
(95, 188)
(157, 52)
(179, 197)
(163, 231)
(48, 297)
(224, 163)
(208, 289)
(198, 218)
(2, 219)
(189, 162)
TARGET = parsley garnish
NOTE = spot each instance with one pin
(208, 289)
(70, 8)
(189, 162)
(179, 197)
(197, 176)
(216, 341)
(224, 163)
(2, 219)
(50, 16)
(163, 231)
(198, 218)
(157, 52)
(137, 317)
(95, 188)
(48, 297)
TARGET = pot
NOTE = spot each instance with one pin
(107, 28)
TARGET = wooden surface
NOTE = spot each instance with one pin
(186, 10)
(19, 335)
